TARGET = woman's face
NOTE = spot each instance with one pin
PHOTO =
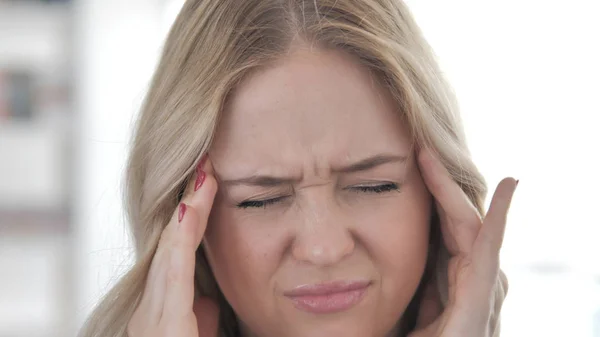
(321, 222)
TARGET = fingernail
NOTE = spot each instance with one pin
(517, 184)
(201, 175)
(182, 209)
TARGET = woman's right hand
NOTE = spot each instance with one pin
(167, 307)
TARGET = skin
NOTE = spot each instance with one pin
(303, 120)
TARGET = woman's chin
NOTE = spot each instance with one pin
(347, 326)
(350, 314)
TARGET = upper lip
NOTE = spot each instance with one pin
(326, 288)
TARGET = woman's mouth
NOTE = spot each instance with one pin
(329, 297)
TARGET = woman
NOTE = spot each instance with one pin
(322, 140)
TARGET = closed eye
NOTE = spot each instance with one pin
(388, 187)
(260, 203)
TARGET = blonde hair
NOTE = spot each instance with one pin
(211, 47)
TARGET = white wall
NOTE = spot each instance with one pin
(34, 247)
(118, 43)
(33, 39)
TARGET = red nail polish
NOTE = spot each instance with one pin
(182, 209)
(199, 179)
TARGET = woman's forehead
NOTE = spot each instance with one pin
(318, 104)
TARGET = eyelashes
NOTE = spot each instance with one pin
(259, 203)
(367, 189)
(376, 188)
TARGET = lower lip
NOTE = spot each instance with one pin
(329, 303)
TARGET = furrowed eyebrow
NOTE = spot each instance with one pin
(273, 181)
(261, 181)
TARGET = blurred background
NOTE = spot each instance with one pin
(73, 74)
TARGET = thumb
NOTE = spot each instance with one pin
(207, 316)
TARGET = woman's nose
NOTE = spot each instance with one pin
(324, 238)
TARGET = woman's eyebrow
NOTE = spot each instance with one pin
(273, 181)
(261, 181)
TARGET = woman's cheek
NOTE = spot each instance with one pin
(244, 250)
(395, 238)
(395, 233)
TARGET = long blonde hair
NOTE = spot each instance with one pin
(211, 47)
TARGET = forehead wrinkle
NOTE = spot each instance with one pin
(308, 126)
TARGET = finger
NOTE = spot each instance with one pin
(500, 292)
(151, 304)
(148, 309)
(450, 241)
(503, 282)
(200, 193)
(179, 294)
(153, 298)
(494, 223)
(499, 297)
(207, 317)
(152, 301)
(457, 213)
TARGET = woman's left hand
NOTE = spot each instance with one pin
(477, 286)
